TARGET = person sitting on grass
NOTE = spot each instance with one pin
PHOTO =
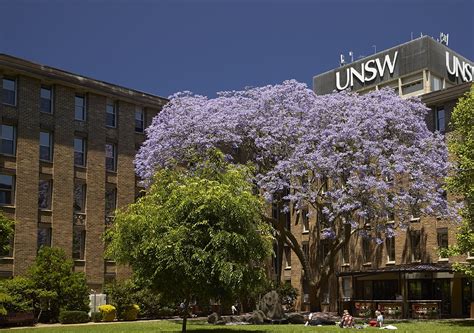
(347, 320)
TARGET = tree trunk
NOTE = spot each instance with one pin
(314, 297)
(185, 315)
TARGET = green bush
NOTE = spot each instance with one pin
(73, 317)
(22, 295)
(96, 317)
(123, 295)
(131, 313)
(53, 272)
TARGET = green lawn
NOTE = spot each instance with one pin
(194, 326)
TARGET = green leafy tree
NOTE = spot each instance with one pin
(53, 272)
(461, 146)
(196, 234)
(7, 227)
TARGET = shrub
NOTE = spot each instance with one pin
(122, 296)
(131, 313)
(53, 272)
(96, 317)
(22, 295)
(73, 317)
(108, 312)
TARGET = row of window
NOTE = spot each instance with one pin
(8, 145)
(367, 248)
(44, 237)
(45, 190)
(9, 90)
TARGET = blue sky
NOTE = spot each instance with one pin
(162, 47)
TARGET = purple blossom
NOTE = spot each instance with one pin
(375, 150)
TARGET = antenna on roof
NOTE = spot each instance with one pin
(351, 54)
(412, 35)
(375, 48)
(342, 61)
(444, 38)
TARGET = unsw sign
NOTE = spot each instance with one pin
(457, 68)
(368, 71)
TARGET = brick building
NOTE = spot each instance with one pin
(404, 276)
(66, 162)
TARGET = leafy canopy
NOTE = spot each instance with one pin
(196, 233)
(461, 183)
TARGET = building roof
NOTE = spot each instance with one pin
(404, 268)
(79, 81)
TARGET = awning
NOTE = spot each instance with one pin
(404, 268)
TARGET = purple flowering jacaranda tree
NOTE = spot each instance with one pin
(354, 162)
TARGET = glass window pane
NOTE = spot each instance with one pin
(45, 93)
(79, 145)
(79, 198)
(7, 132)
(79, 101)
(9, 84)
(44, 237)
(6, 181)
(110, 201)
(80, 108)
(44, 139)
(44, 194)
(110, 120)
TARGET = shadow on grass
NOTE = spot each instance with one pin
(225, 330)
(464, 323)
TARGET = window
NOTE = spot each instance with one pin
(80, 151)
(440, 119)
(9, 91)
(44, 235)
(345, 255)
(110, 157)
(412, 83)
(436, 83)
(390, 247)
(324, 248)
(110, 201)
(80, 108)
(44, 194)
(79, 198)
(305, 246)
(8, 137)
(412, 87)
(305, 218)
(46, 100)
(46, 146)
(139, 119)
(367, 250)
(346, 287)
(442, 240)
(415, 240)
(287, 251)
(111, 114)
(6, 189)
(79, 243)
